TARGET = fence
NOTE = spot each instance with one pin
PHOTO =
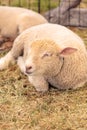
(56, 11)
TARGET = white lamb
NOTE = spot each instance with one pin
(52, 54)
(14, 20)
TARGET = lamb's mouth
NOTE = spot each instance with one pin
(28, 73)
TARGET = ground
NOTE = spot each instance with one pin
(22, 108)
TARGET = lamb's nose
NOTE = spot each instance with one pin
(28, 69)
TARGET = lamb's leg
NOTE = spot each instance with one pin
(21, 64)
(39, 83)
(6, 61)
(11, 56)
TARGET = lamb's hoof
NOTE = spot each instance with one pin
(40, 90)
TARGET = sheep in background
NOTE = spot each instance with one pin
(14, 20)
(52, 54)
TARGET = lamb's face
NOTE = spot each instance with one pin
(45, 57)
(42, 58)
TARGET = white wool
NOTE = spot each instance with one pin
(52, 54)
(14, 20)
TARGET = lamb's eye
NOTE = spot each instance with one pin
(46, 55)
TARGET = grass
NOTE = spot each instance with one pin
(33, 4)
(22, 108)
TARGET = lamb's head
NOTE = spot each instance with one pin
(45, 57)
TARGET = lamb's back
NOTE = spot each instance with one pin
(59, 34)
(14, 20)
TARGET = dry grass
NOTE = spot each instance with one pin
(22, 108)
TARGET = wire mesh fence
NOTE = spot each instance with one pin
(65, 12)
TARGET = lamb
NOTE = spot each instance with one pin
(14, 20)
(53, 54)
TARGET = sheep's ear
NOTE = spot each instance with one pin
(67, 51)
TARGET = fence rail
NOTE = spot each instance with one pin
(53, 10)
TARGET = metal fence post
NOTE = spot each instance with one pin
(19, 4)
(39, 5)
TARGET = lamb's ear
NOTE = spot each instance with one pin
(67, 51)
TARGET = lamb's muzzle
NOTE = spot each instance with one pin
(28, 70)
